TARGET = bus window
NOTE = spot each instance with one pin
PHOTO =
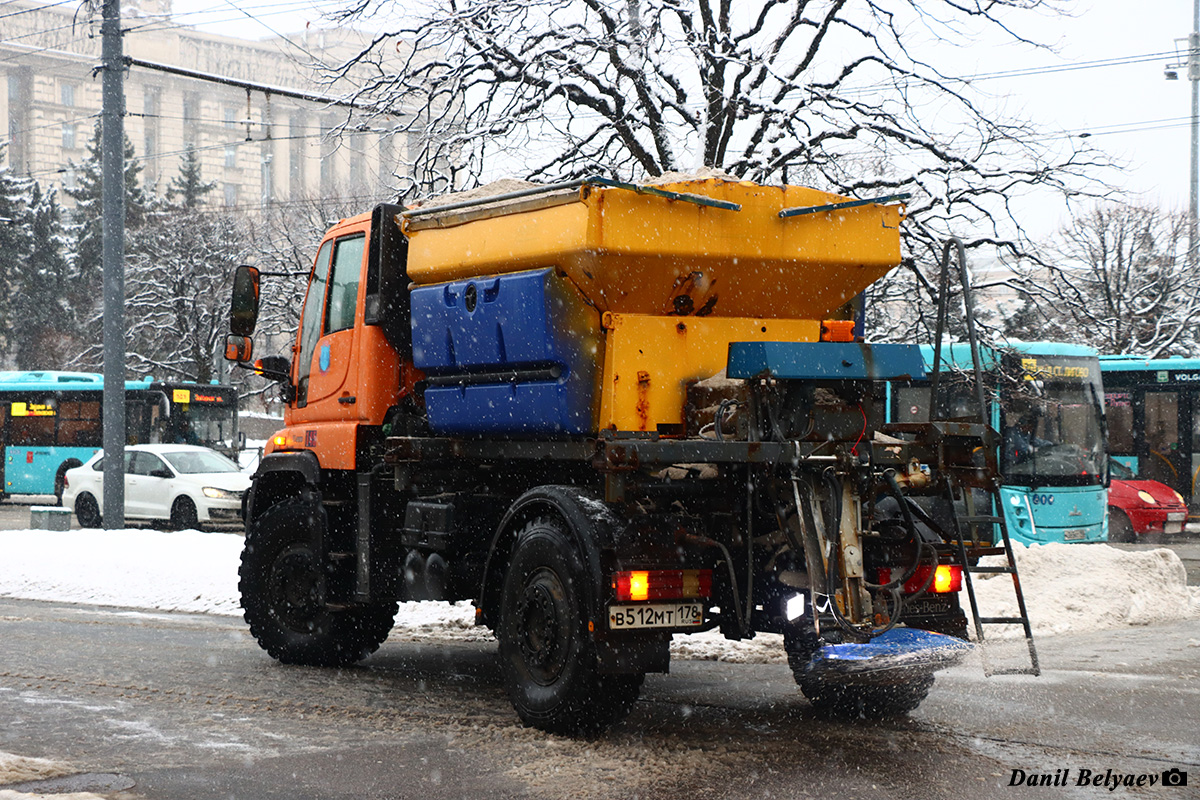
(79, 424)
(1120, 422)
(1162, 438)
(30, 431)
(1195, 398)
(958, 401)
(912, 403)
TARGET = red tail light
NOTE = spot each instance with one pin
(662, 584)
(947, 578)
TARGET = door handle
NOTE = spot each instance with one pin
(348, 400)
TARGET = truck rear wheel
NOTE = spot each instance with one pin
(849, 700)
(546, 652)
(283, 588)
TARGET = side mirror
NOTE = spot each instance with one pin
(161, 473)
(238, 348)
(243, 307)
(276, 368)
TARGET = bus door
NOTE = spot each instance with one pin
(1192, 424)
(1162, 455)
(29, 457)
(3, 448)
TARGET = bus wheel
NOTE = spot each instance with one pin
(284, 593)
(1120, 529)
(546, 653)
(87, 511)
(183, 514)
(60, 478)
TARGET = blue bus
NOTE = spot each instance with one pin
(1154, 419)
(1047, 402)
(51, 421)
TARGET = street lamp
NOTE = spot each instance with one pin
(1192, 65)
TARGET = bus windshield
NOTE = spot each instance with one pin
(1054, 429)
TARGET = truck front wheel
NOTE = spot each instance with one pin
(283, 588)
(546, 652)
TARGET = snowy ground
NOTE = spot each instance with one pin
(1068, 588)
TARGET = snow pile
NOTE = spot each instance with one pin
(1067, 587)
(180, 571)
(1087, 587)
(18, 769)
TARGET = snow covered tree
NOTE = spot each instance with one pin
(188, 185)
(177, 288)
(844, 96)
(87, 234)
(14, 244)
(1118, 280)
(41, 335)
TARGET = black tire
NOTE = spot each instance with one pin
(848, 700)
(87, 511)
(60, 478)
(283, 589)
(183, 514)
(546, 653)
(1120, 529)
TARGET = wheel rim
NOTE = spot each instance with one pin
(297, 596)
(544, 620)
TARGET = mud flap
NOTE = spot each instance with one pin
(897, 656)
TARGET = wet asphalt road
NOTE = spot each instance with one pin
(185, 706)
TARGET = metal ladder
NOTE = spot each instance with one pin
(961, 476)
(972, 548)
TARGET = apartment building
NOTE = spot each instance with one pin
(258, 147)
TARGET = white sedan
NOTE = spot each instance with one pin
(187, 485)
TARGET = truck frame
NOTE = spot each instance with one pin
(607, 414)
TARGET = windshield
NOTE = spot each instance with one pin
(196, 462)
(1120, 471)
(1054, 428)
(213, 425)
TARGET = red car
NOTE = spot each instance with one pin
(1139, 508)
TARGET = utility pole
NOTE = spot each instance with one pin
(1192, 65)
(112, 164)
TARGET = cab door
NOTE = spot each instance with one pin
(326, 369)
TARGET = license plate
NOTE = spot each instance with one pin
(656, 615)
(1074, 535)
(1178, 516)
(1172, 527)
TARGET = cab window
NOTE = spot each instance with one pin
(310, 329)
(343, 283)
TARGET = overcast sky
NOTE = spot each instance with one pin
(1129, 109)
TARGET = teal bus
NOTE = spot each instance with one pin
(1047, 403)
(1154, 419)
(51, 421)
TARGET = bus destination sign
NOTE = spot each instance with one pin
(20, 409)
